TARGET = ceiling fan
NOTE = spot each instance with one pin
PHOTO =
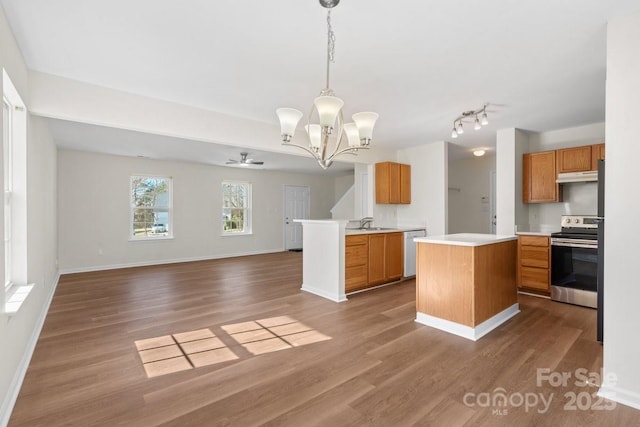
(244, 161)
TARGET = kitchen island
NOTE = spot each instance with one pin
(466, 283)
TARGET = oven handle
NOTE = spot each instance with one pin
(572, 244)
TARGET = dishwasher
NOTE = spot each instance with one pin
(410, 251)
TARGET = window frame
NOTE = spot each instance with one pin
(169, 208)
(7, 158)
(248, 209)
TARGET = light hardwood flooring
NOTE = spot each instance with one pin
(235, 342)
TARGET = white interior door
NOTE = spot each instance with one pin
(296, 206)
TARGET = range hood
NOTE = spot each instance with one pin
(577, 177)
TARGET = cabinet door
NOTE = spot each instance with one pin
(535, 278)
(539, 178)
(377, 254)
(405, 184)
(394, 182)
(577, 159)
(394, 249)
(382, 183)
(597, 153)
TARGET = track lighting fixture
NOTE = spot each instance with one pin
(458, 128)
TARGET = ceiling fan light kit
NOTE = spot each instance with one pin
(244, 161)
(480, 120)
(328, 109)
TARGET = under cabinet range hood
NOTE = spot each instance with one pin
(588, 176)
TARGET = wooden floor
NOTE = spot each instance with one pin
(235, 342)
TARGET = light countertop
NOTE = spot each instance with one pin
(466, 239)
(535, 233)
(374, 230)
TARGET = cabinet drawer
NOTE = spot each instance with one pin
(355, 278)
(359, 239)
(536, 278)
(533, 240)
(356, 255)
(534, 256)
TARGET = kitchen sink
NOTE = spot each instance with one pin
(377, 228)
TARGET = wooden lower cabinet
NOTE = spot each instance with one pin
(356, 265)
(534, 263)
(373, 259)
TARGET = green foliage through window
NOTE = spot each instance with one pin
(150, 206)
(236, 204)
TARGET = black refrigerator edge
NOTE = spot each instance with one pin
(601, 175)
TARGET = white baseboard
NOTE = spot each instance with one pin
(619, 395)
(165, 261)
(324, 294)
(21, 371)
(469, 332)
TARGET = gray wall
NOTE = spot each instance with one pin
(94, 210)
(19, 333)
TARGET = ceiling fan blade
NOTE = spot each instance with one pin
(231, 162)
(254, 162)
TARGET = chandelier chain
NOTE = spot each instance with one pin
(331, 40)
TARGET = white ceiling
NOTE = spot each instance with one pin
(540, 64)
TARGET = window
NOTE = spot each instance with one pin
(14, 183)
(7, 162)
(151, 207)
(236, 208)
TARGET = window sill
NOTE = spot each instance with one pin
(236, 234)
(150, 239)
(16, 295)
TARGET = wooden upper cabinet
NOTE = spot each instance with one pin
(539, 178)
(597, 153)
(405, 183)
(393, 183)
(576, 159)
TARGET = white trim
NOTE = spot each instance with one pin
(468, 332)
(165, 261)
(531, 294)
(620, 395)
(18, 377)
(321, 293)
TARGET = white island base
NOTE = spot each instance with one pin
(473, 333)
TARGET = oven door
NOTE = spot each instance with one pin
(574, 272)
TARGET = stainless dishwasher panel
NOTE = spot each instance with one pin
(410, 251)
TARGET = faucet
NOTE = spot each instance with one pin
(366, 222)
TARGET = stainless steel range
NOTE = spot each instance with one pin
(574, 261)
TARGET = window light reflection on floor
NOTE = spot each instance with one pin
(193, 349)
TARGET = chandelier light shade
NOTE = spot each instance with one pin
(289, 118)
(327, 134)
(458, 128)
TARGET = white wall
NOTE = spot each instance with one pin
(62, 98)
(511, 212)
(94, 210)
(468, 190)
(569, 137)
(429, 181)
(19, 332)
(622, 209)
(341, 185)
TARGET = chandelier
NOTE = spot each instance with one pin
(326, 136)
(477, 123)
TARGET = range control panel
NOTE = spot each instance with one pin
(580, 221)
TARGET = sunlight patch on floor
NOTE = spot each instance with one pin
(193, 349)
